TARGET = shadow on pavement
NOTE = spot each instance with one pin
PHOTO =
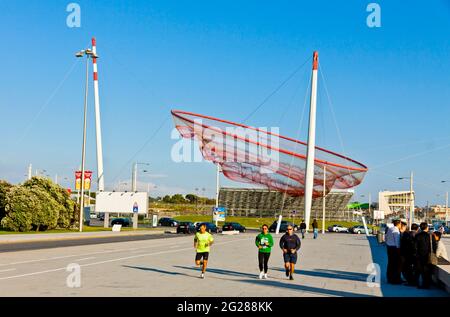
(342, 275)
(154, 270)
(218, 271)
(304, 288)
(278, 284)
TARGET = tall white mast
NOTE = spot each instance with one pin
(98, 130)
(309, 178)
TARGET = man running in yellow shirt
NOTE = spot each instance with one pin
(202, 241)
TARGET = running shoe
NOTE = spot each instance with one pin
(261, 275)
(265, 276)
(202, 275)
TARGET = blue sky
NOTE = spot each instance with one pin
(389, 86)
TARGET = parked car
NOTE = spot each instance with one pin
(230, 226)
(167, 222)
(283, 226)
(446, 230)
(186, 227)
(337, 228)
(125, 222)
(431, 228)
(210, 227)
(360, 229)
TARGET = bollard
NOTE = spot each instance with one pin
(380, 237)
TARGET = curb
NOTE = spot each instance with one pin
(81, 237)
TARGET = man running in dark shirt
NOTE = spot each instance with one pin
(290, 244)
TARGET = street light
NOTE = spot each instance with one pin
(370, 202)
(411, 199)
(89, 54)
(119, 185)
(134, 175)
(446, 203)
(38, 172)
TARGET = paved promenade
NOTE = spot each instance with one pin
(333, 265)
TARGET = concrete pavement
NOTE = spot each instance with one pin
(333, 265)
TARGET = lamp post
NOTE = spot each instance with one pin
(39, 172)
(134, 189)
(446, 203)
(411, 198)
(370, 202)
(88, 53)
(134, 175)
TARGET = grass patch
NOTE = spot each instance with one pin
(85, 229)
(254, 222)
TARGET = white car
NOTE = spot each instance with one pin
(337, 228)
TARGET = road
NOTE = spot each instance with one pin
(333, 265)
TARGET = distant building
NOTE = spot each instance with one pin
(394, 203)
(268, 203)
(439, 212)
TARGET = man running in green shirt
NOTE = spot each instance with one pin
(264, 242)
(202, 241)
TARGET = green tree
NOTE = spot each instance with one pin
(178, 199)
(30, 209)
(19, 205)
(38, 205)
(192, 198)
(4, 188)
(167, 199)
(67, 214)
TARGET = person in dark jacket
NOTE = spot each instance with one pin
(408, 254)
(290, 244)
(303, 228)
(423, 252)
(315, 227)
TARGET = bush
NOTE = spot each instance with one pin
(67, 216)
(4, 188)
(38, 205)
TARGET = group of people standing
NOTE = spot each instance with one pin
(411, 253)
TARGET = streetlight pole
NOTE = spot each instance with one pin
(411, 195)
(411, 199)
(134, 175)
(83, 155)
(87, 53)
(40, 172)
(134, 189)
(446, 203)
(446, 206)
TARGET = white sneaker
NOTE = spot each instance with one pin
(265, 276)
(261, 275)
(202, 275)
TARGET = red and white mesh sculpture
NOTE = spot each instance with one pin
(257, 156)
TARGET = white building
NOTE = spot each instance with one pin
(395, 203)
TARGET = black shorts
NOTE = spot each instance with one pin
(290, 258)
(201, 255)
